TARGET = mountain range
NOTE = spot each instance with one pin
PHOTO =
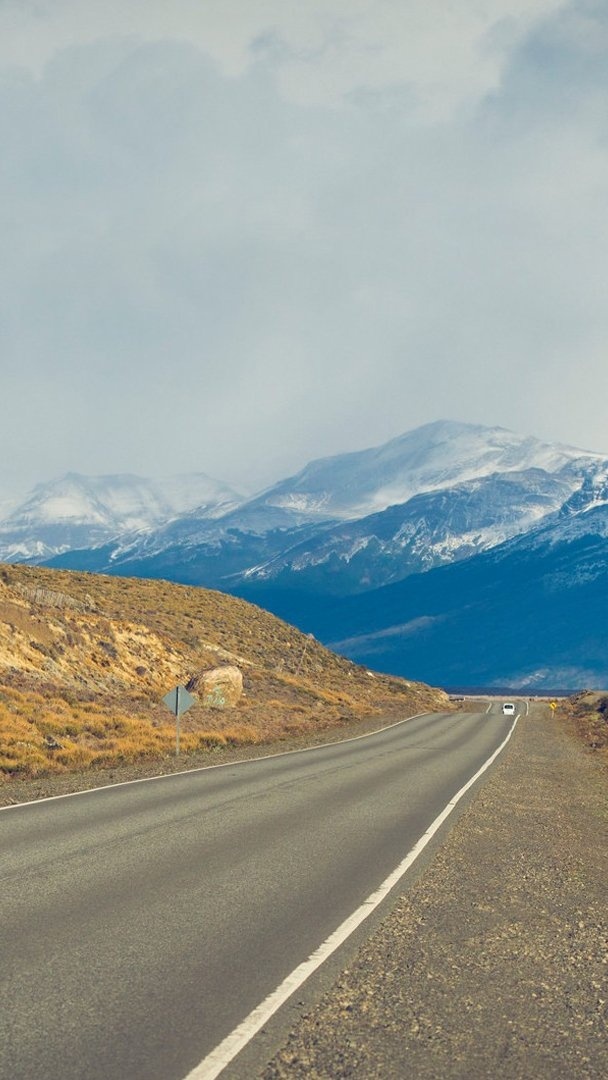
(78, 511)
(529, 614)
(458, 554)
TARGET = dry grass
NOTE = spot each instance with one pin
(86, 659)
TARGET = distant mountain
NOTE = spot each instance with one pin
(530, 613)
(433, 457)
(443, 492)
(429, 530)
(79, 511)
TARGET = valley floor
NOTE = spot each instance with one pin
(495, 963)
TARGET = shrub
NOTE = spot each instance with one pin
(242, 735)
(209, 740)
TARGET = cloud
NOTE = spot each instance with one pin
(324, 51)
(243, 236)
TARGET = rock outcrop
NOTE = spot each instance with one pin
(218, 688)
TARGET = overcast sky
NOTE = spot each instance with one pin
(241, 234)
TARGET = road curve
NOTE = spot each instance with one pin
(140, 924)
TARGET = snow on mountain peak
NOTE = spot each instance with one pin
(521, 480)
(429, 458)
(125, 500)
(81, 511)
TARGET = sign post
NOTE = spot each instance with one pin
(178, 701)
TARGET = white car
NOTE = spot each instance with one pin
(508, 708)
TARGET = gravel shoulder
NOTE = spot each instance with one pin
(495, 962)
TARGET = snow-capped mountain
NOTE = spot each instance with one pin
(463, 489)
(79, 511)
(428, 530)
(441, 493)
(434, 457)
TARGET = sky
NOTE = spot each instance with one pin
(239, 235)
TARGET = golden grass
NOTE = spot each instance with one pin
(54, 743)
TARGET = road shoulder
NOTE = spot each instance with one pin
(495, 962)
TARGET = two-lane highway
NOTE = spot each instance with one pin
(140, 924)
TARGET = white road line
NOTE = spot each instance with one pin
(212, 1065)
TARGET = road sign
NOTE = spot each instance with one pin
(178, 701)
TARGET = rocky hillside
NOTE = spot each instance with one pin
(85, 661)
(588, 711)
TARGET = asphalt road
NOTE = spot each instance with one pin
(140, 924)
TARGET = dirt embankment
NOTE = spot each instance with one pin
(495, 963)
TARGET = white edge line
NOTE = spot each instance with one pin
(220, 765)
(215, 1062)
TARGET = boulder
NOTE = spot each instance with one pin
(218, 688)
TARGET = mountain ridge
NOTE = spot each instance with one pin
(216, 544)
(76, 510)
(529, 614)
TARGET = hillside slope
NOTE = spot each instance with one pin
(85, 661)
